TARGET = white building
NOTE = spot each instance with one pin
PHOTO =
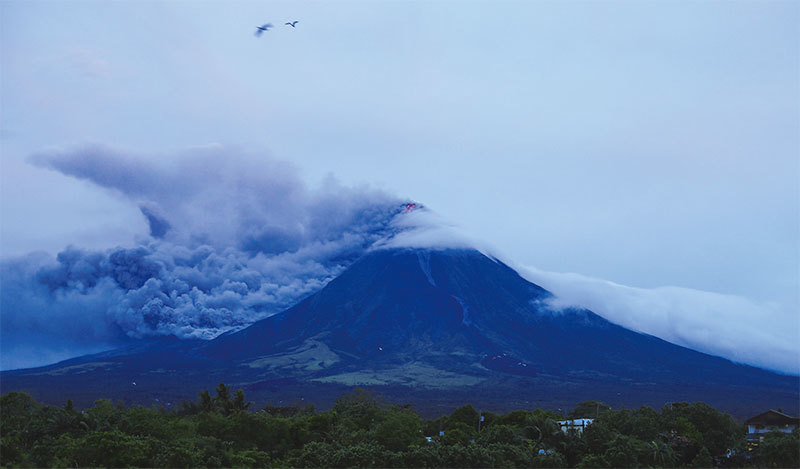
(577, 424)
(769, 421)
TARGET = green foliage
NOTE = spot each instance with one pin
(356, 412)
(505, 434)
(458, 433)
(365, 454)
(223, 402)
(598, 437)
(249, 458)
(626, 451)
(179, 453)
(466, 415)
(464, 455)
(548, 460)
(399, 429)
(107, 449)
(660, 454)
(221, 430)
(593, 461)
(780, 450)
(703, 459)
(516, 418)
(588, 410)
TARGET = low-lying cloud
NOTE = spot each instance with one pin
(232, 240)
(730, 326)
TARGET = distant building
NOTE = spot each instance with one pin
(576, 424)
(769, 421)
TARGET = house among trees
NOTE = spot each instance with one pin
(769, 421)
(576, 424)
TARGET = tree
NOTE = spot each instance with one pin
(461, 455)
(704, 426)
(465, 414)
(222, 401)
(598, 436)
(205, 402)
(357, 410)
(593, 461)
(248, 458)
(703, 459)
(220, 431)
(16, 409)
(104, 415)
(458, 433)
(780, 449)
(588, 410)
(500, 434)
(518, 418)
(399, 429)
(548, 460)
(625, 451)
(661, 454)
(239, 404)
(108, 449)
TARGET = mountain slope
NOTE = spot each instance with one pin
(434, 327)
(461, 308)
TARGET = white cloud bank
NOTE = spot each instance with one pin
(745, 331)
(421, 228)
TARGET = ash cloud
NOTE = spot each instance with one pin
(232, 240)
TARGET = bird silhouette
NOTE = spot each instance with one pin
(292, 23)
(264, 27)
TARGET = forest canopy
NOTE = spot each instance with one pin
(223, 429)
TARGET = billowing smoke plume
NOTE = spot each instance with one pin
(231, 241)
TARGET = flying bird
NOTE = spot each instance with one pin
(292, 23)
(264, 27)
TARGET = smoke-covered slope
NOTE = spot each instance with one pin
(436, 327)
(232, 239)
(459, 309)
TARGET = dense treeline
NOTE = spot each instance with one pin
(224, 430)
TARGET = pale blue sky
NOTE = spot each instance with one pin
(648, 143)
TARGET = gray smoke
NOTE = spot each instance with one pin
(232, 240)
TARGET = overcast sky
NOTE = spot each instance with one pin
(647, 143)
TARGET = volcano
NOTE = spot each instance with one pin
(435, 327)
